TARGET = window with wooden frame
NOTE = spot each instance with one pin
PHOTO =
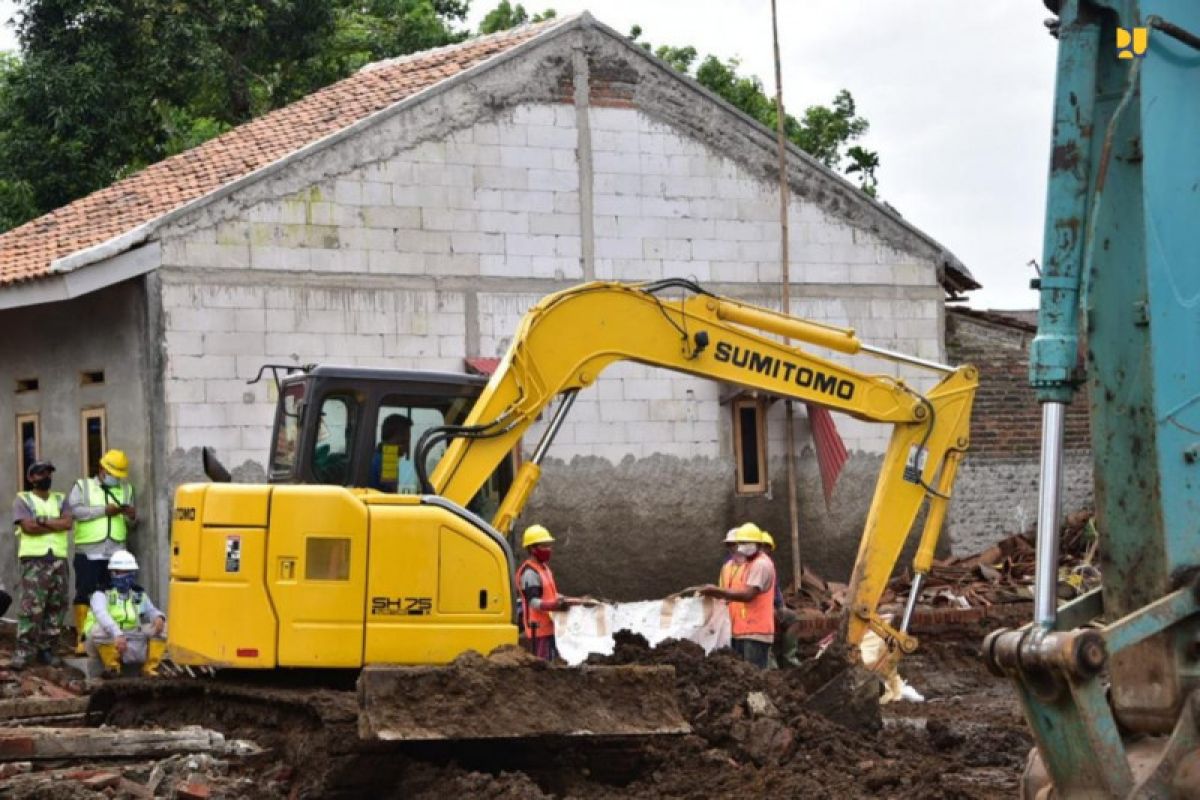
(93, 435)
(750, 444)
(29, 447)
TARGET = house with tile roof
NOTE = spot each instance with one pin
(407, 216)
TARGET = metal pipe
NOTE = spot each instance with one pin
(1045, 597)
(560, 414)
(911, 605)
(892, 355)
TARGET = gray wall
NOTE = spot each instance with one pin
(106, 331)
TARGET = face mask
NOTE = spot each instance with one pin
(41, 484)
(123, 583)
(542, 554)
(747, 550)
(110, 481)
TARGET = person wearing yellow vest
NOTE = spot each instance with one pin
(103, 508)
(122, 625)
(747, 584)
(539, 594)
(392, 469)
(40, 523)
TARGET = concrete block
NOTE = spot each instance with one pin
(506, 222)
(557, 267)
(444, 175)
(463, 242)
(319, 320)
(509, 266)
(529, 201)
(397, 170)
(526, 157)
(568, 246)
(338, 260)
(231, 390)
(512, 135)
(441, 219)
(767, 271)
(715, 249)
(187, 436)
(618, 205)
(199, 366)
(821, 273)
(389, 216)
(524, 244)
(566, 203)
(668, 410)
(487, 200)
(203, 415)
(648, 388)
(200, 254)
(663, 207)
(554, 180)
(691, 229)
(429, 152)
(409, 346)
(249, 414)
(347, 192)
(368, 238)
(618, 248)
(698, 269)
(613, 141)
(486, 133)
(375, 193)
(732, 272)
(617, 183)
(603, 118)
(306, 346)
(501, 178)
(185, 343)
(599, 432)
(652, 435)
(566, 160)
(763, 250)
(423, 241)
(651, 164)
(184, 390)
(626, 411)
(871, 273)
(624, 162)
(448, 264)
(559, 224)
(231, 344)
(473, 155)
(389, 262)
(553, 137)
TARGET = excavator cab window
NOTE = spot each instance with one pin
(287, 429)
(331, 456)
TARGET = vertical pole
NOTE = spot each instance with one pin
(785, 280)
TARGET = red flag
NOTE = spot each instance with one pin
(831, 450)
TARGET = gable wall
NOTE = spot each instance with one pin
(423, 239)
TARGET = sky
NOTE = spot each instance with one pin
(959, 96)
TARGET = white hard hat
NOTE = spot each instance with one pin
(123, 560)
(731, 536)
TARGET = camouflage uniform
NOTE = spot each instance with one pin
(43, 600)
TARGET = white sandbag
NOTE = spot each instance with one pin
(582, 630)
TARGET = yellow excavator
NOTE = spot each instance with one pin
(332, 566)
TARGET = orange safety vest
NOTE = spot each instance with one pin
(756, 617)
(537, 622)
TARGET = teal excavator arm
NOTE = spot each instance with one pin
(1121, 272)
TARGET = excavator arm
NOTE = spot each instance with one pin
(569, 338)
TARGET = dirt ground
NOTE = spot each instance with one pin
(751, 736)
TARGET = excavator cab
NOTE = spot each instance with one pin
(358, 427)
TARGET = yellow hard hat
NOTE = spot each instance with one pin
(749, 532)
(536, 534)
(115, 463)
(768, 540)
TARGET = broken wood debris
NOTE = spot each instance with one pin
(38, 743)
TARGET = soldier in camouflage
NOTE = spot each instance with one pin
(41, 525)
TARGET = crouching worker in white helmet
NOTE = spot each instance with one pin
(123, 626)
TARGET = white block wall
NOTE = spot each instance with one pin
(349, 268)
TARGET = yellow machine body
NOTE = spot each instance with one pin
(321, 576)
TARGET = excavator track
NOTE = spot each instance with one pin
(313, 721)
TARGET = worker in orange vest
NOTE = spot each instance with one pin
(747, 583)
(539, 594)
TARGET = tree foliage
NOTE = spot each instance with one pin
(824, 132)
(105, 87)
(506, 15)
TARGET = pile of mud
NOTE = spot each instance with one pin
(751, 733)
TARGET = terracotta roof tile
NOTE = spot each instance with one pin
(28, 251)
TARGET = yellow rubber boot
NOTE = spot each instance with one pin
(110, 658)
(81, 613)
(155, 649)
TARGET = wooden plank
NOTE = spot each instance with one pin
(24, 744)
(25, 707)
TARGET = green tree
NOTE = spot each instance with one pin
(824, 132)
(105, 87)
(505, 16)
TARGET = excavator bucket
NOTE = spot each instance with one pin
(478, 698)
(842, 690)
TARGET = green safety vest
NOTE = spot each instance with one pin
(125, 611)
(97, 530)
(37, 546)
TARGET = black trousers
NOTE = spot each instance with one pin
(90, 576)
(753, 651)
